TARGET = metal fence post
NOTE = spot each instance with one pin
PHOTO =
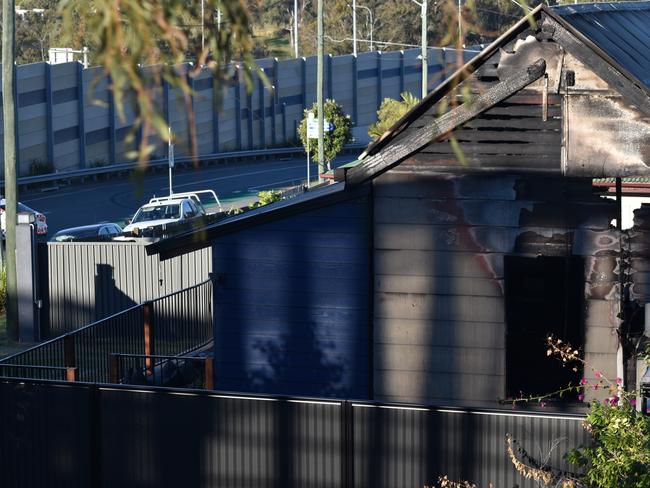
(147, 310)
(69, 353)
(71, 374)
(113, 368)
(208, 372)
(347, 441)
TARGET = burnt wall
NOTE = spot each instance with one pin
(440, 247)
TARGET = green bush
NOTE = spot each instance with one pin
(266, 197)
(620, 454)
(38, 167)
(333, 140)
(390, 112)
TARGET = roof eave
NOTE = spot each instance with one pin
(449, 83)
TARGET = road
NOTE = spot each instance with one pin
(117, 199)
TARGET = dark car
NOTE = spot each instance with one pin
(88, 233)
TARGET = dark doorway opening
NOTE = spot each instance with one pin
(544, 296)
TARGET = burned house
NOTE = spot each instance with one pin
(433, 269)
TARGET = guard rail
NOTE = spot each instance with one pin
(67, 176)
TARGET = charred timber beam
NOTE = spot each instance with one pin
(610, 71)
(393, 154)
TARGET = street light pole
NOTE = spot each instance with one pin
(202, 25)
(295, 27)
(354, 27)
(372, 24)
(425, 61)
(460, 26)
(423, 55)
(319, 92)
(11, 197)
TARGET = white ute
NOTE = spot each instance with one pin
(161, 211)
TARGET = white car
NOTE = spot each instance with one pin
(40, 223)
(206, 198)
(163, 211)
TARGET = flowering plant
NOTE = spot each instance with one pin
(619, 455)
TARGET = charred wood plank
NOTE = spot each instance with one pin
(513, 110)
(426, 162)
(496, 136)
(514, 123)
(494, 148)
(391, 155)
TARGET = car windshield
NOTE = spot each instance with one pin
(158, 212)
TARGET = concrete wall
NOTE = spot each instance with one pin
(66, 114)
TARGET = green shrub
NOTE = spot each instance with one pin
(38, 167)
(266, 197)
(334, 140)
(390, 112)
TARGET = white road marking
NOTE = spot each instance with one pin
(70, 194)
(219, 178)
(271, 185)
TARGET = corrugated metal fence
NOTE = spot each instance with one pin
(92, 435)
(81, 283)
(172, 325)
(66, 115)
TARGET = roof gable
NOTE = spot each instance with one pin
(622, 30)
(541, 24)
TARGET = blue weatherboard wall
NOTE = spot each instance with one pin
(292, 304)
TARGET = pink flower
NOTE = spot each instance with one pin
(615, 400)
(581, 397)
(599, 375)
(606, 401)
(595, 387)
(619, 381)
(583, 381)
(633, 402)
(542, 404)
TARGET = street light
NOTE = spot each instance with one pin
(370, 22)
(295, 27)
(423, 15)
(354, 27)
(202, 25)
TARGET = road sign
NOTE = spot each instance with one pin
(312, 126)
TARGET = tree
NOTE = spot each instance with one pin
(131, 33)
(335, 139)
(391, 111)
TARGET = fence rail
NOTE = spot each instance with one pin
(81, 174)
(172, 325)
(163, 437)
(157, 370)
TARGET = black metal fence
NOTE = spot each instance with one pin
(155, 370)
(74, 434)
(171, 325)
